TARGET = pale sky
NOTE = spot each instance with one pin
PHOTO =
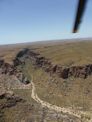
(37, 20)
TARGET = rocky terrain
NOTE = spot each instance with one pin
(8, 99)
(62, 71)
(8, 69)
(39, 61)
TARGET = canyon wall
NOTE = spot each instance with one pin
(41, 62)
(62, 71)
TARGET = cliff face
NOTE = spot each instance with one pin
(63, 72)
(6, 68)
(39, 61)
(9, 69)
(10, 99)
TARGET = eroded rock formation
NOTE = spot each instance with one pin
(10, 99)
(63, 72)
(8, 69)
(39, 61)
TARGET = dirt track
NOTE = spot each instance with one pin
(70, 111)
(54, 107)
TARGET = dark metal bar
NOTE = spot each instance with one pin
(80, 11)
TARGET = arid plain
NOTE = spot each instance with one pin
(46, 82)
